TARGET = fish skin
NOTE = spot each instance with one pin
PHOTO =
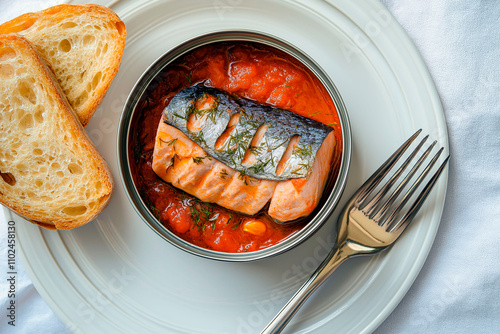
(282, 126)
(296, 198)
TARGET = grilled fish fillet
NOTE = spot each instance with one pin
(254, 139)
(183, 163)
(186, 165)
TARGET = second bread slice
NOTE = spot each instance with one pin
(50, 171)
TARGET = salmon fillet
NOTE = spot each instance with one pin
(297, 198)
(184, 164)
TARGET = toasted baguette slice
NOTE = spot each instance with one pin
(82, 43)
(50, 171)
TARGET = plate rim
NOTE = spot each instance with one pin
(423, 254)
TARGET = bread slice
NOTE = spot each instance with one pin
(82, 43)
(50, 171)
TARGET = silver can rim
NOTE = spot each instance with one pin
(147, 78)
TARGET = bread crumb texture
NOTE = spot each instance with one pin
(49, 170)
(83, 44)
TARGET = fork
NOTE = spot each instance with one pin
(371, 221)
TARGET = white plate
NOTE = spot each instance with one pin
(115, 275)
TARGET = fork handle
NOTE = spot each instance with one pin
(333, 260)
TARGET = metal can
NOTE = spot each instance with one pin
(333, 189)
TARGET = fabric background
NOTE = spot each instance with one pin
(458, 289)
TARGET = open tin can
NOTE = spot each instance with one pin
(333, 189)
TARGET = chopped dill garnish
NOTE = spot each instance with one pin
(270, 150)
(303, 152)
(199, 160)
(223, 173)
(211, 113)
(302, 169)
(238, 143)
(281, 144)
(202, 214)
(198, 137)
(236, 226)
(249, 122)
(213, 228)
(170, 142)
(257, 150)
(156, 212)
(180, 116)
(258, 168)
(244, 113)
(244, 177)
(182, 196)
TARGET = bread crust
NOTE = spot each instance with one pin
(35, 27)
(70, 124)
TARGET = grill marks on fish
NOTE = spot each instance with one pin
(250, 158)
(183, 163)
(253, 139)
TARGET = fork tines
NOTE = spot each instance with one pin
(385, 206)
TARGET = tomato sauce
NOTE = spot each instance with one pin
(249, 70)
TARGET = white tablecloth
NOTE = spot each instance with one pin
(458, 289)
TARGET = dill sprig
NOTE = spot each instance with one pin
(238, 142)
(184, 117)
(257, 150)
(189, 78)
(302, 169)
(202, 214)
(169, 142)
(223, 173)
(198, 137)
(243, 176)
(236, 225)
(247, 179)
(303, 152)
(211, 113)
(258, 168)
(270, 150)
(199, 160)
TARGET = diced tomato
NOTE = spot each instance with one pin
(178, 218)
(221, 240)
